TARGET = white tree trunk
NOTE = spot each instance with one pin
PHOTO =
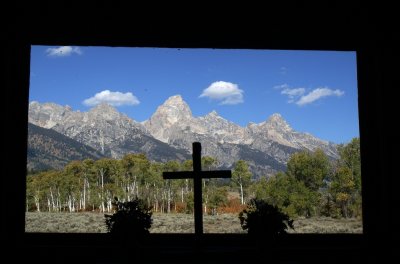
(169, 200)
(134, 186)
(102, 191)
(109, 205)
(52, 200)
(58, 200)
(205, 204)
(84, 194)
(69, 204)
(241, 193)
(73, 203)
(37, 203)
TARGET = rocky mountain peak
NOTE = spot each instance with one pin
(104, 110)
(175, 100)
(173, 110)
(276, 118)
(47, 115)
(213, 113)
(103, 107)
(276, 121)
(33, 103)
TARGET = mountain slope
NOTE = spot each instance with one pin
(48, 149)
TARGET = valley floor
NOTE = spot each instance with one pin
(43, 222)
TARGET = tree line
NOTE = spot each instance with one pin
(312, 185)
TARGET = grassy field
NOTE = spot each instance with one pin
(176, 223)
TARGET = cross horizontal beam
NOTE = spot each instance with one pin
(201, 174)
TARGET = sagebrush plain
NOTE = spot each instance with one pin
(43, 222)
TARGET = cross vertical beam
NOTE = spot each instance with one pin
(198, 200)
(197, 175)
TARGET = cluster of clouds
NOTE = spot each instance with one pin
(300, 96)
(63, 51)
(225, 93)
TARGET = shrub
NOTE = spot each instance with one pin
(132, 219)
(180, 207)
(264, 220)
(234, 206)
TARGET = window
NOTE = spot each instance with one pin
(106, 122)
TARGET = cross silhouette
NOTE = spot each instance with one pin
(197, 174)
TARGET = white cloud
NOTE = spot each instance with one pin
(63, 51)
(317, 94)
(293, 93)
(112, 98)
(281, 86)
(299, 96)
(226, 92)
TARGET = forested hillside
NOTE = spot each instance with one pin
(48, 149)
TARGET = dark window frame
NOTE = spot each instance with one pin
(370, 68)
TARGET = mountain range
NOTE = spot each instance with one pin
(168, 134)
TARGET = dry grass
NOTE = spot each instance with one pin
(327, 225)
(65, 222)
(176, 223)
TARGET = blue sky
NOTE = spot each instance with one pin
(314, 91)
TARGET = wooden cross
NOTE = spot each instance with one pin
(197, 174)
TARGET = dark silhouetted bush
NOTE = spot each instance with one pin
(264, 220)
(132, 219)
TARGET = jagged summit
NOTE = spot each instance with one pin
(47, 105)
(174, 100)
(213, 113)
(276, 116)
(172, 110)
(105, 111)
(276, 120)
(104, 107)
(47, 115)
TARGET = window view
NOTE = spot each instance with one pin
(105, 123)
